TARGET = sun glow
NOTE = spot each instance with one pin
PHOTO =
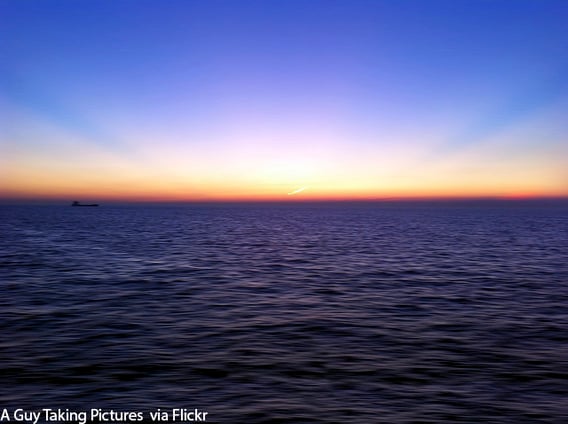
(296, 191)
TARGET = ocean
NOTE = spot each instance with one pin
(361, 312)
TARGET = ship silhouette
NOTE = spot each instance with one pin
(76, 203)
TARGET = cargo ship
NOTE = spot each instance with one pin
(75, 203)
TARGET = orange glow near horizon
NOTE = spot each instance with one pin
(328, 169)
(284, 175)
(144, 188)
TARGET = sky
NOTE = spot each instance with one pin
(283, 100)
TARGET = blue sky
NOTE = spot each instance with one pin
(206, 99)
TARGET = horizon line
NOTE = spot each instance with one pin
(288, 200)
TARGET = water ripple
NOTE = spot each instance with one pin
(289, 313)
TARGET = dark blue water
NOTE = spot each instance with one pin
(304, 313)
